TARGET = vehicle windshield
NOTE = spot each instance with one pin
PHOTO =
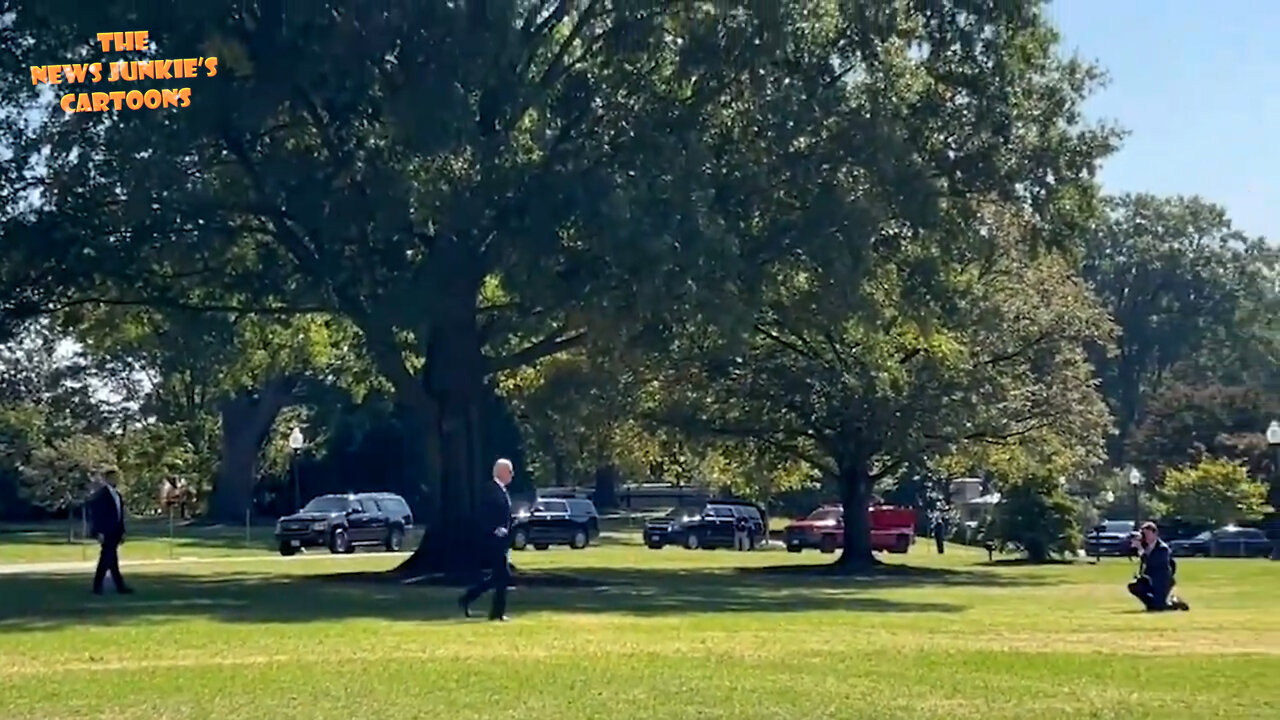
(329, 504)
(824, 514)
(1116, 526)
(719, 512)
(681, 513)
(1206, 535)
(551, 506)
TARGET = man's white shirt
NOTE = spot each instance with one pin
(500, 531)
(115, 495)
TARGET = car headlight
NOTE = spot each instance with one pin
(318, 526)
(278, 526)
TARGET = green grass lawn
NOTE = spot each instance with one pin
(153, 539)
(672, 634)
(148, 539)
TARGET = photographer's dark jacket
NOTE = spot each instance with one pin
(1157, 567)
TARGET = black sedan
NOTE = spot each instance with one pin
(1229, 541)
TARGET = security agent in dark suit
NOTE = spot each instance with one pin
(494, 524)
(106, 517)
(1154, 584)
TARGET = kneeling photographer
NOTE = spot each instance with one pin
(1154, 583)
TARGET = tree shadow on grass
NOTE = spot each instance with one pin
(37, 602)
(1027, 562)
(187, 538)
(886, 575)
(221, 537)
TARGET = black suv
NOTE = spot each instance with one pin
(1111, 538)
(341, 522)
(554, 521)
(709, 527)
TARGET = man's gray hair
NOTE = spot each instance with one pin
(504, 463)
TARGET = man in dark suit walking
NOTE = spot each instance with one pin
(106, 516)
(494, 523)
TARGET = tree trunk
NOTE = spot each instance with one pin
(606, 491)
(561, 469)
(451, 448)
(855, 494)
(1037, 552)
(246, 422)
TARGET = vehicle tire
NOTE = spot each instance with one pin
(395, 539)
(579, 539)
(340, 543)
(828, 544)
(519, 540)
(902, 544)
(540, 546)
(794, 548)
(287, 550)
(692, 542)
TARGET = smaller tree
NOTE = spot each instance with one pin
(59, 476)
(1214, 492)
(1036, 516)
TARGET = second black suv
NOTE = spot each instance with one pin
(1111, 538)
(712, 526)
(555, 521)
(341, 522)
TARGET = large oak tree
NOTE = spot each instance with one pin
(385, 162)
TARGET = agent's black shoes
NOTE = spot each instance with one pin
(1172, 606)
(465, 607)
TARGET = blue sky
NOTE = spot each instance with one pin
(1197, 84)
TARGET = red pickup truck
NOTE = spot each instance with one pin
(893, 529)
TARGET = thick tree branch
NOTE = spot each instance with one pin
(752, 433)
(162, 304)
(559, 341)
(786, 344)
(993, 436)
(887, 469)
(282, 225)
(388, 357)
(1019, 352)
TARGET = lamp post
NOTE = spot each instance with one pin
(1108, 498)
(296, 443)
(1135, 481)
(1273, 439)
